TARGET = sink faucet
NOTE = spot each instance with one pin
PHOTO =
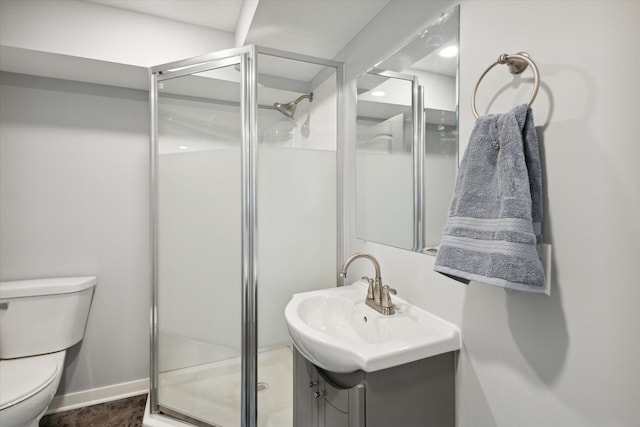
(378, 295)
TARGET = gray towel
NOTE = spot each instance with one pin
(493, 232)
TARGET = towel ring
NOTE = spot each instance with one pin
(517, 63)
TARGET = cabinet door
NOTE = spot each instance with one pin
(333, 405)
(318, 402)
(357, 411)
(341, 407)
(305, 392)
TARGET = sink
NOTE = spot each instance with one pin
(335, 330)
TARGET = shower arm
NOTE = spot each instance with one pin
(301, 97)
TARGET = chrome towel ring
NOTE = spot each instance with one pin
(517, 63)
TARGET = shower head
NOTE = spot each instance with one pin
(289, 108)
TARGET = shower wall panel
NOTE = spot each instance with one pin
(297, 203)
(296, 237)
(199, 237)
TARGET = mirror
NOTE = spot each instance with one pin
(407, 140)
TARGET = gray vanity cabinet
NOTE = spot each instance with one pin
(417, 394)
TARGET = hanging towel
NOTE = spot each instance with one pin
(493, 231)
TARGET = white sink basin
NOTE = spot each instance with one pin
(335, 330)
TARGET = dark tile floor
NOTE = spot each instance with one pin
(119, 413)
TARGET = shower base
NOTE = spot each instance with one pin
(211, 392)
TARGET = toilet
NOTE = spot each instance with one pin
(39, 320)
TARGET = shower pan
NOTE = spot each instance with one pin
(246, 210)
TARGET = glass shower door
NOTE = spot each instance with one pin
(297, 211)
(225, 157)
(199, 245)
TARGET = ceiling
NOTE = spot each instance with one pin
(311, 27)
(320, 28)
(218, 14)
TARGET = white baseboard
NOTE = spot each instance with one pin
(94, 396)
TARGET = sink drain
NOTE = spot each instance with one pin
(263, 386)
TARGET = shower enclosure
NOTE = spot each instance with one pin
(246, 170)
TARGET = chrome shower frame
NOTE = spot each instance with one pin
(247, 58)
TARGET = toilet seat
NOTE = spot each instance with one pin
(24, 377)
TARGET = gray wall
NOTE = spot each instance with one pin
(74, 200)
(569, 359)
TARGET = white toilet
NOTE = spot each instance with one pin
(39, 320)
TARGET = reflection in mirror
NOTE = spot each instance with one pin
(407, 140)
(385, 159)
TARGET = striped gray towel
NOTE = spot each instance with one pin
(493, 231)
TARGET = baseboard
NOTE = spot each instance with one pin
(95, 396)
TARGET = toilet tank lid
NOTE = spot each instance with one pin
(50, 286)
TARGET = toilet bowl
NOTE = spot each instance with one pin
(27, 386)
(39, 320)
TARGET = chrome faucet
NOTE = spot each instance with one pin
(378, 296)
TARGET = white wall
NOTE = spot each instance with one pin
(569, 359)
(199, 239)
(74, 201)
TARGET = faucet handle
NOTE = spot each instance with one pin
(385, 300)
(370, 290)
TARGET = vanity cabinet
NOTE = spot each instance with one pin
(416, 394)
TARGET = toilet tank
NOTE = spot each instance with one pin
(43, 315)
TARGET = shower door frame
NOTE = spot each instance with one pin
(247, 58)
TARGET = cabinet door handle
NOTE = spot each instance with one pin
(317, 394)
(312, 384)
